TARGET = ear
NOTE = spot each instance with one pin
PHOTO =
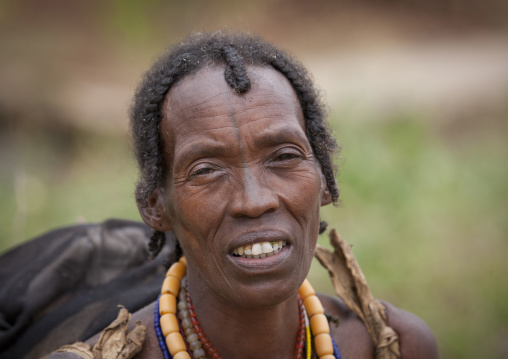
(153, 213)
(326, 197)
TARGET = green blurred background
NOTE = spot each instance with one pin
(418, 96)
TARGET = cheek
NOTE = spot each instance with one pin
(194, 217)
(303, 195)
(306, 207)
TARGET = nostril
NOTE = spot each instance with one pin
(254, 202)
(254, 205)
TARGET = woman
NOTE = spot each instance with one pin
(236, 160)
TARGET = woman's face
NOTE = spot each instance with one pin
(242, 173)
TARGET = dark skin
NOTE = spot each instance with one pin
(242, 172)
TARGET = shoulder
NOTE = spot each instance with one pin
(151, 349)
(415, 338)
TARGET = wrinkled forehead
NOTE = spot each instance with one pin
(203, 95)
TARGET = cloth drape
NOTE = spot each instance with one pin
(65, 285)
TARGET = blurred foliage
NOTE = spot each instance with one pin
(425, 212)
(64, 176)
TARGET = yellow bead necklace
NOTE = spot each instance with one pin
(323, 343)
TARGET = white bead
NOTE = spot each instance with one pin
(199, 353)
(183, 314)
(192, 337)
(194, 345)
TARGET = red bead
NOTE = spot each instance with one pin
(199, 331)
(301, 331)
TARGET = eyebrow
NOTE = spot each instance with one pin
(281, 134)
(202, 149)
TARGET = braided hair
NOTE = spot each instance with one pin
(234, 51)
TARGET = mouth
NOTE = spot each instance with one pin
(259, 250)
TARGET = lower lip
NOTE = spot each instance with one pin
(262, 264)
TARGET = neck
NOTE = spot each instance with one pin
(235, 331)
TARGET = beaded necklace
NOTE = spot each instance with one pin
(173, 345)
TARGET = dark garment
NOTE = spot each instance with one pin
(65, 285)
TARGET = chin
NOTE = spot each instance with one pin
(266, 294)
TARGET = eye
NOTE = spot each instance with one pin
(287, 156)
(203, 171)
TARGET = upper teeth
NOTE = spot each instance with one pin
(259, 250)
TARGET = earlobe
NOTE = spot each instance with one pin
(326, 197)
(153, 213)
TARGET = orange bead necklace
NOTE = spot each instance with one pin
(169, 328)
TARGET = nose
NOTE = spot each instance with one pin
(253, 196)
